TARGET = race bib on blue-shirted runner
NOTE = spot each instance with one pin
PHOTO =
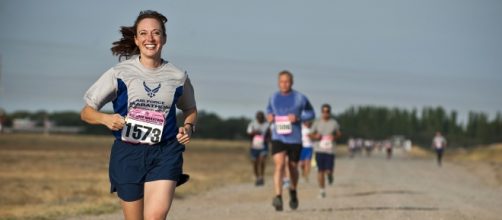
(258, 142)
(283, 125)
(143, 126)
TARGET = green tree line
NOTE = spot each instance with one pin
(382, 122)
(362, 121)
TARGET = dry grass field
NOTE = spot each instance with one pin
(48, 177)
(485, 161)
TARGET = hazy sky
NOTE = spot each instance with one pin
(400, 53)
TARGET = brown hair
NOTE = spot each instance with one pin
(285, 72)
(326, 106)
(125, 47)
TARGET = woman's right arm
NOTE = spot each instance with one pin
(113, 122)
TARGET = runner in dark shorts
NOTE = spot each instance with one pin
(258, 131)
(146, 160)
(325, 131)
(286, 110)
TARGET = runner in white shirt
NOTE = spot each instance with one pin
(438, 144)
(258, 131)
(351, 144)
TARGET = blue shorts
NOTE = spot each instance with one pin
(255, 153)
(306, 153)
(325, 161)
(131, 165)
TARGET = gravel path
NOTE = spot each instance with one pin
(365, 188)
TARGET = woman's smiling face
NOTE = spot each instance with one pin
(149, 38)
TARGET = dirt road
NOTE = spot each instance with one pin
(365, 188)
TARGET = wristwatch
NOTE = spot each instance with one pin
(192, 127)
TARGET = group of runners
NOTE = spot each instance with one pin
(146, 160)
(295, 136)
(359, 145)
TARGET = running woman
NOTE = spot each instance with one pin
(258, 131)
(325, 131)
(146, 159)
(287, 109)
(438, 144)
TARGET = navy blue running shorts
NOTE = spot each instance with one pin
(131, 165)
(325, 161)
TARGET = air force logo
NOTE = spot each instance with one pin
(151, 92)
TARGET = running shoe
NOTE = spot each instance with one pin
(322, 195)
(293, 199)
(330, 179)
(277, 203)
(259, 182)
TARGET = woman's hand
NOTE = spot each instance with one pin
(114, 122)
(184, 135)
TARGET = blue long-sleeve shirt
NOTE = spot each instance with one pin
(292, 103)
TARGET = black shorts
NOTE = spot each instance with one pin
(292, 150)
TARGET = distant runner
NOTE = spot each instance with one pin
(387, 145)
(287, 109)
(351, 144)
(438, 144)
(325, 131)
(258, 131)
(307, 150)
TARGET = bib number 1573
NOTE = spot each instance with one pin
(142, 133)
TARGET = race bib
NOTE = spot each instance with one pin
(143, 126)
(326, 142)
(283, 125)
(258, 142)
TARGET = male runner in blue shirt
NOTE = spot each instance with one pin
(286, 110)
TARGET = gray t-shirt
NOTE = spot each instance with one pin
(129, 85)
(327, 130)
(256, 126)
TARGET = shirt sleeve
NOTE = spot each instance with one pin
(314, 129)
(250, 128)
(308, 111)
(337, 126)
(187, 99)
(270, 110)
(104, 90)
